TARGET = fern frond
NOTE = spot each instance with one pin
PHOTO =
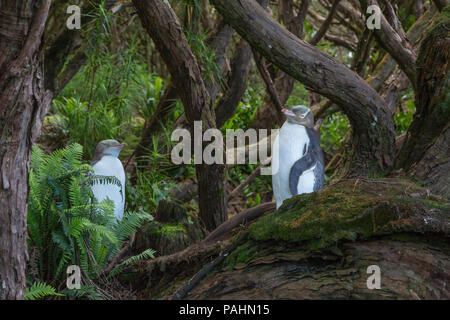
(131, 222)
(39, 290)
(100, 179)
(101, 230)
(147, 254)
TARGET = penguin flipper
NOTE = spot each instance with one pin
(319, 174)
(300, 166)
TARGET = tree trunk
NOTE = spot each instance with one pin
(164, 28)
(212, 195)
(23, 105)
(237, 83)
(268, 115)
(425, 153)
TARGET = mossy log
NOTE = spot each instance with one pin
(319, 245)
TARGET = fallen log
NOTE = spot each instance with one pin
(319, 246)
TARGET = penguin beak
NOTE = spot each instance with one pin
(288, 112)
(120, 146)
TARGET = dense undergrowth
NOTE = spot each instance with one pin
(67, 226)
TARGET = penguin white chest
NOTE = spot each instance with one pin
(289, 146)
(111, 166)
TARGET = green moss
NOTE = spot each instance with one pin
(242, 254)
(344, 212)
(170, 230)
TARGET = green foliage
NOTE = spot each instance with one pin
(407, 20)
(253, 192)
(206, 55)
(242, 117)
(151, 187)
(246, 110)
(154, 181)
(333, 132)
(67, 226)
(112, 94)
(299, 96)
(75, 122)
(404, 118)
(39, 290)
(85, 292)
(146, 91)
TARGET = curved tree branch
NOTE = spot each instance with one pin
(237, 84)
(317, 70)
(415, 34)
(323, 29)
(394, 42)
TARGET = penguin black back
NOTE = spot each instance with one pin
(313, 156)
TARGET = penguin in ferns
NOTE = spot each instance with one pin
(297, 162)
(107, 163)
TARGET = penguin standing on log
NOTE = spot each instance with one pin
(107, 163)
(297, 163)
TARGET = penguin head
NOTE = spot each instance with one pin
(301, 115)
(108, 148)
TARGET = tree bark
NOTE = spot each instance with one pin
(425, 153)
(23, 105)
(387, 65)
(372, 150)
(383, 73)
(240, 67)
(395, 42)
(324, 27)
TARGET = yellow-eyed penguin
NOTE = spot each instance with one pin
(297, 163)
(107, 163)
